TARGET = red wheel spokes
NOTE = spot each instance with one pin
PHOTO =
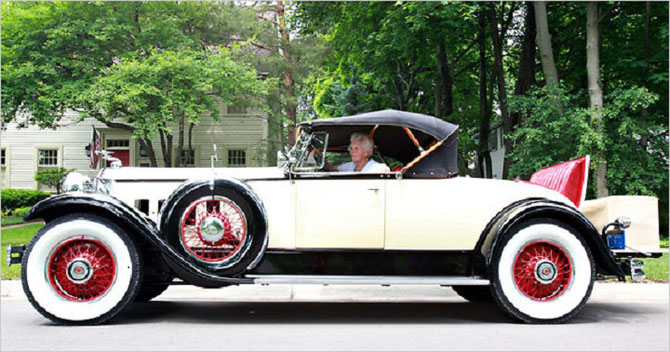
(542, 271)
(91, 270)
(230, 218)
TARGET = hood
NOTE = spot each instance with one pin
(183, 174)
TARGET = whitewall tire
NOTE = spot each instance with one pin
(80, 269)
(543, 272)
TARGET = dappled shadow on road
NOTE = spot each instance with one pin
(624, 313)
(311, 313)
(200, 312)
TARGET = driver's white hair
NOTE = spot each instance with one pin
(367, 141)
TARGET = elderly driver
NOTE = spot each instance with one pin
(360, 150)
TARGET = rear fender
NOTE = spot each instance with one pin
(542, 208)
(117, 211)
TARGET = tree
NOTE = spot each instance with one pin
(171, 89)
(52, 177)
(595, 86)
(496, 37)
(52, 52)
(544, 44)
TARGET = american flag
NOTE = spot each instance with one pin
(95, 146)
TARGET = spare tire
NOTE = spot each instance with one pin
(220, 229)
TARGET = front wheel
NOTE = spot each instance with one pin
(543, 272)
(80, 269)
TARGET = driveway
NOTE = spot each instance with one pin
(288, 317)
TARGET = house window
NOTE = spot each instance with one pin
(47, 157)
(143, 152)
(237, 157)
(4, 168)
(145, 164)
(118, 143)
(237, 109)
(187, 158)
(493, 139)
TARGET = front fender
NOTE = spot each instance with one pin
(118, 211)
(536, 208)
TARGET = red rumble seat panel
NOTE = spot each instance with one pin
(569, 178)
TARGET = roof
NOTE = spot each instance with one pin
(430, 125)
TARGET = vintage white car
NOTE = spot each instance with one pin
(125, 235)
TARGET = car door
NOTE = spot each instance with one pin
(340, 211)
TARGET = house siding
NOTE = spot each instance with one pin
(234, 131)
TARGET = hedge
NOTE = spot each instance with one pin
(20, 198)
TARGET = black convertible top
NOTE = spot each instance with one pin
(387, 128)
(430, 125)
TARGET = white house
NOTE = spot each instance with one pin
(496, 149)
(242, 138)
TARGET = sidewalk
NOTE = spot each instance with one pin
(602, 292)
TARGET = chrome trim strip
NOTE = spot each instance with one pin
(368, 280)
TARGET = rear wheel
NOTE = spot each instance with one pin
(543, 272)
(80, 269)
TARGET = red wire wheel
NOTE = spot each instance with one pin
(542, 271)
(213, 229)
(81, 270)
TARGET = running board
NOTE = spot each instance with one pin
(368, 280)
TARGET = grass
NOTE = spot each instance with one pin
(656, 269)
(664, 242)
(11, 220)
(15, 236)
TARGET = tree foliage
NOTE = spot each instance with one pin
(52, 177)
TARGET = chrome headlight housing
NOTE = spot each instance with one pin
(75, 181)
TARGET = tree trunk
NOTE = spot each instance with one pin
(526, 77)
(190, 142)
(543, 40)
(146, 143)
(647, 55)
(444, 99)
(289, 84)
(502, 94)
(595, 88)
(484, 155)
(166, 146)
(179, 161)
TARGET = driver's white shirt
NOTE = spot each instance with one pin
(371, 166)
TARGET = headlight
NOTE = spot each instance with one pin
(75, 181)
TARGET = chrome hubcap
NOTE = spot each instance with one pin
(545, 271)
(212, 229)
(79, 271)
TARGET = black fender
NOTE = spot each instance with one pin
(241, 188)
(119, 212)
(535, 208)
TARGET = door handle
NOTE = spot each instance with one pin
(373, 189)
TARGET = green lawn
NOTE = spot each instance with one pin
(15, 236)
(11, 220)
(656, 269)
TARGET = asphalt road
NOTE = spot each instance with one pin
(626, 317)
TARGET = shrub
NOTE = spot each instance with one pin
(20, 212)
(20, 198)
(52, 177)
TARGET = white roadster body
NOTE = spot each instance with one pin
(130, 233)
(332, 210)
